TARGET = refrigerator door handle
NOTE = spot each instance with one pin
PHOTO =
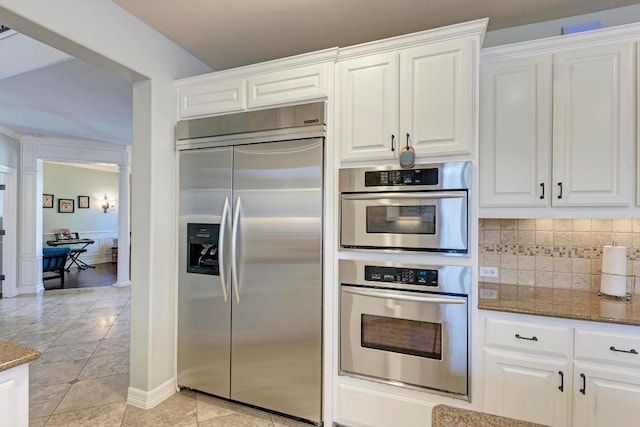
(222, 237)
(234, 245)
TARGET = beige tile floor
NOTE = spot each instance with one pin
(82, 377)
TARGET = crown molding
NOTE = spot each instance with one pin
(10, 133)
(627, 32)
(104, 167)
(475, 28)
(311, 58)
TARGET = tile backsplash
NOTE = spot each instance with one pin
(558, 253)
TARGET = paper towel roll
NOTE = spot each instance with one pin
(613, 285)
(614, 271)
(614, 260)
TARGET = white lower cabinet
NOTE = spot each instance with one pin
(527, 388)
(561, 372)
(14, 397)
(605, 396)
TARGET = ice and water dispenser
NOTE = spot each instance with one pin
(203, 248)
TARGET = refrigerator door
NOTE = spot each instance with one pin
(277, 313)
(204, 317)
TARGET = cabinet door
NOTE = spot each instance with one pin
(212, 98)
(605, 397)
(527, 388)
(593, 137)
(515, 132)
(368, 107)
(436, 102)
(14, 396)
(296, 84)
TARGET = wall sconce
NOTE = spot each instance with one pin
(105, 204)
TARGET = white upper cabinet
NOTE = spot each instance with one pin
(594, 126)
(212, 98)
(436, 99)
(297, 84)
(368, 106)
(515, 132)
(285, 81)
(558, 129)
(416, 90)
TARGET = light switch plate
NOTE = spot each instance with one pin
(488, 293)
(488, 272)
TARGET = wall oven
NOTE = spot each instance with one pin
(405, 324)
(424, 208)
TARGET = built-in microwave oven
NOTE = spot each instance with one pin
(424, 208)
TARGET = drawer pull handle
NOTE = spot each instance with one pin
(632, 351)
(560, 195)
(542, 185)
(393, 143)
(561, 386)
(533, 338)
(584, 384)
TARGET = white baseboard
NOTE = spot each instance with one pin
(122, 284)
(30, 289)
(149, 399)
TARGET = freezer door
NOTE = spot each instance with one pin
(204, 317)
(277, 313)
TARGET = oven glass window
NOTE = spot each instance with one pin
(411, 337)
(401, 219)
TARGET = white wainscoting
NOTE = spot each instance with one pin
(99, 252)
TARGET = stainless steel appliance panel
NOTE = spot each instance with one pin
(277, 309)
(423, 208)
(204, 317)
(295, 116)
(405, 333)
(427, 221)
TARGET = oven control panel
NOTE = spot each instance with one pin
(410, 276)
(401, 177)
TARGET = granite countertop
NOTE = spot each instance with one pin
(449, 416)
(12, 355)
(576, 304)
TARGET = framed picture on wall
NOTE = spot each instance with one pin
(83, 202)
(66, 205)
(47, 200)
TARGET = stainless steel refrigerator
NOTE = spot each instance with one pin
(250, 282)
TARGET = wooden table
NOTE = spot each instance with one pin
(75, 253)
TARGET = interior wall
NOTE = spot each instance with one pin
(69, 182)
(9, 151)
(86, 30)
(540, 30)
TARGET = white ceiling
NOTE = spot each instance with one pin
(230, 33)
(66, 98)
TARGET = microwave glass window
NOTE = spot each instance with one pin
(401, 219)
(404, 336)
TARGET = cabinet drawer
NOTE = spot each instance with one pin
(528, 337)
(212, 98)
(608, 347)
(298, 84)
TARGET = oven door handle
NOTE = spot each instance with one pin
(404, 196)
(405, 296)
